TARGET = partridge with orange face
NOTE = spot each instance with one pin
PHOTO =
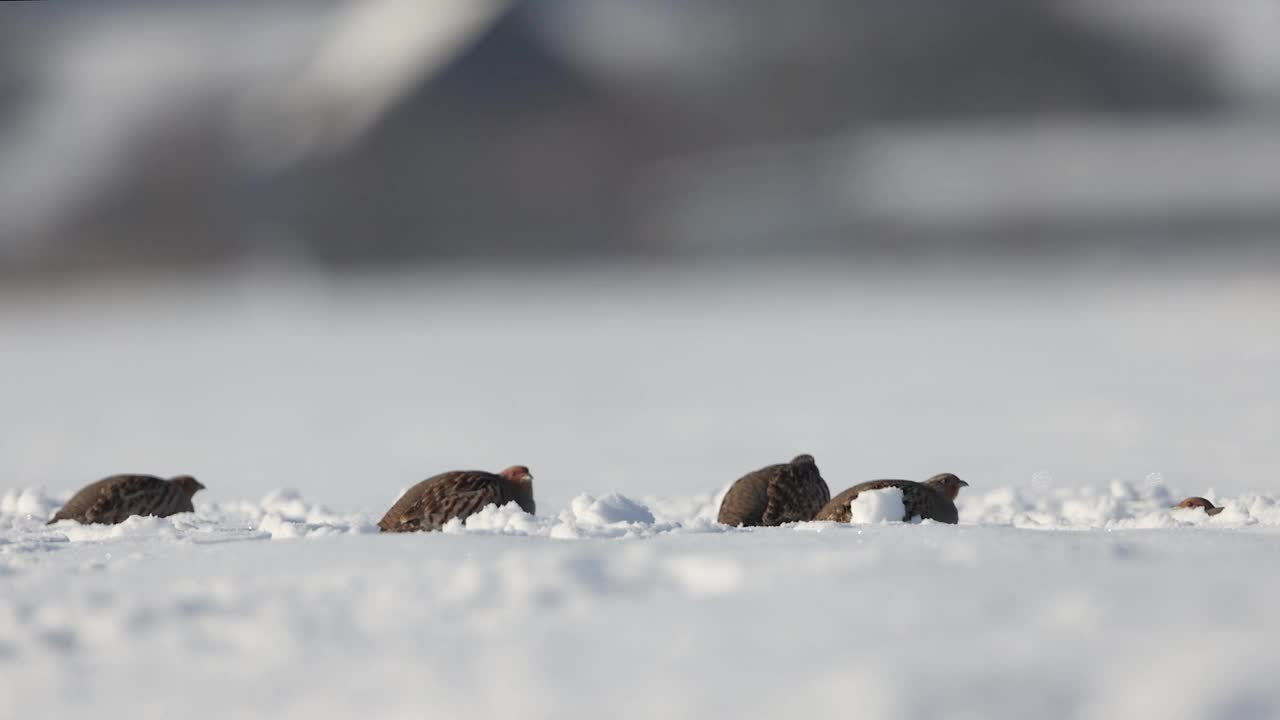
(1200, 503)
(458, 494)
(933, 499)
(113, 499)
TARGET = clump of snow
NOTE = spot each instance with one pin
(133, 527)
(32, 503)
(699, 512)
(286, 514)
(877, 506)
(609, 516)
(509, 519)
(611, 509)
(288, 503)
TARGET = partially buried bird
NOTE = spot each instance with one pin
(458, 494)
(933, 499)
(1199, 502)
(111, 500)
(776, 494)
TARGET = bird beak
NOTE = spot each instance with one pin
(963, 484)
(1214, 510)
(527, 477)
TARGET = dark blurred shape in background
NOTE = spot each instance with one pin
(379, 132)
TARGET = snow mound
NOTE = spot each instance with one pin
(506, 520)
(611, 509)
(286, 515)
(133, 527)
(32, 503)
(698, 512)
(877, 506)
(610, 516)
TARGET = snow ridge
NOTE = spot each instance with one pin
(285, 514)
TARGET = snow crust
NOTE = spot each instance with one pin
(561, 614)
(286, 514)
(1075, 604)
(1072, 596)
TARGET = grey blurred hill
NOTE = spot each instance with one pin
(613, 129)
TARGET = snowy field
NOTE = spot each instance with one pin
(1078, 406)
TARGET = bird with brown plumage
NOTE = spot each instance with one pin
(1193, 503)
(458, 494)
(113, 499)
(933, 499)
(776, 494)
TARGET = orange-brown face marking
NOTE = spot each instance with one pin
(1201, 503)
(517, 474)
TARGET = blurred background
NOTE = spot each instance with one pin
(644, 245)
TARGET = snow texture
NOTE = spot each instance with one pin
(1074, 596)
(202, 615)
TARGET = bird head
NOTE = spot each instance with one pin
(189, 485)
(1192, 503)
(948, 484)
(518, 474)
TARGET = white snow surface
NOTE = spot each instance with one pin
(617, 607)
(1079, 410)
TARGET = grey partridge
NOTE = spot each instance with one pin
(457, 494)
(776, 494)
(111, 500)
(933, 499)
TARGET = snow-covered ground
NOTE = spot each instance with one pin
(1078, 407)
(608, 608)
(644, 382)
